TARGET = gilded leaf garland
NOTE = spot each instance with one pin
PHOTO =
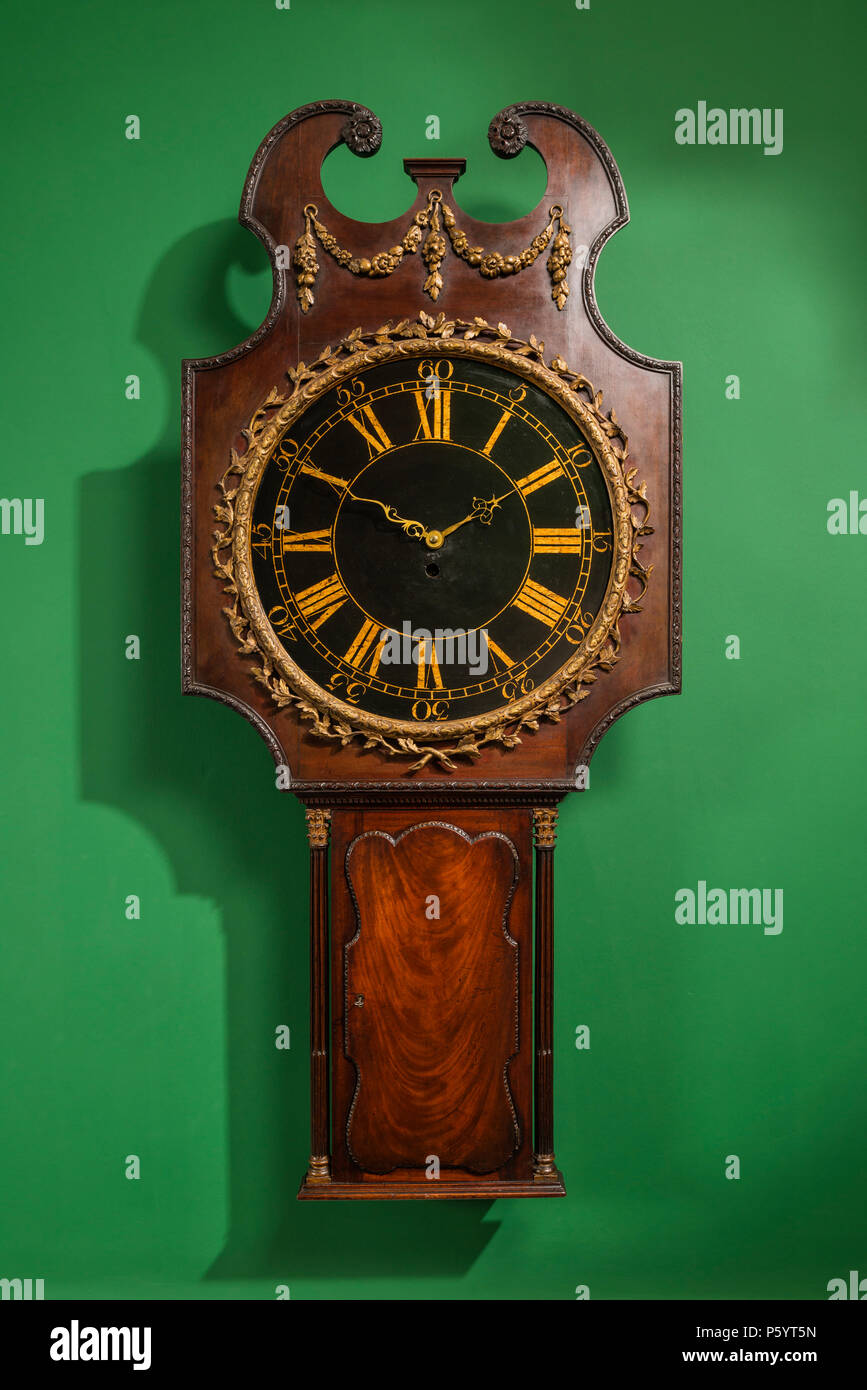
(433, 246)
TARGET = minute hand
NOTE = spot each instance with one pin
(483, 511)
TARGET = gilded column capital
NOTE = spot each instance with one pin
(544, 827)
(318, 828)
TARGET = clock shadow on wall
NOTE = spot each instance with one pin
(143, 751)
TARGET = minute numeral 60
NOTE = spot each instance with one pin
(440, 370)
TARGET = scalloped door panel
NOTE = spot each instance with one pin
(431, 1002)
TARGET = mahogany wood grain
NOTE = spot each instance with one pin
(430, 1006)
(449, 1058)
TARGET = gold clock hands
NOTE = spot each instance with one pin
(412, 528)
(483, 511)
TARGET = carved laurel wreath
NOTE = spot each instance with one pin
(286, 683)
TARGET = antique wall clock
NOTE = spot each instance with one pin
(432, 552)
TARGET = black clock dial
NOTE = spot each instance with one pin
(432, 539)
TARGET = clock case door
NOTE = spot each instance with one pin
(431, 986)
(351, 792)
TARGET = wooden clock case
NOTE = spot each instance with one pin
(432, 1039)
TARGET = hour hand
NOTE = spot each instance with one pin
(412, 528)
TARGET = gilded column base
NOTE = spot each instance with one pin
(545, 1169)
(318, 1169)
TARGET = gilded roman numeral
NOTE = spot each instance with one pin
(425, 665)
(437, 424)
(307, 541)
(549, 540)
(500, 657)
(377, 655)
(546, 474)
(326, 477)
(541, 603)
(357, 653)
(376, 442)
(317, 603)
(497, 430)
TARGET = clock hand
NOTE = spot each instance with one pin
(412, 528)
(483, 511)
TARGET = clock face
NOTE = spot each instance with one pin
(431, 538)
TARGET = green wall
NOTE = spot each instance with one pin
(155, 1037)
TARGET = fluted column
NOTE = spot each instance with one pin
(544, 836)
(318, 833)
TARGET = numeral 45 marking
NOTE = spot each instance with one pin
(541, 603)
(435, 416)
(377, 442)
(557, 540)
(321, 600)
(307, 541)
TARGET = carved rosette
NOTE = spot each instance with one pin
(507, 134)
(544, 827)
(362, 132)
(318, 828)
(597, 650)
